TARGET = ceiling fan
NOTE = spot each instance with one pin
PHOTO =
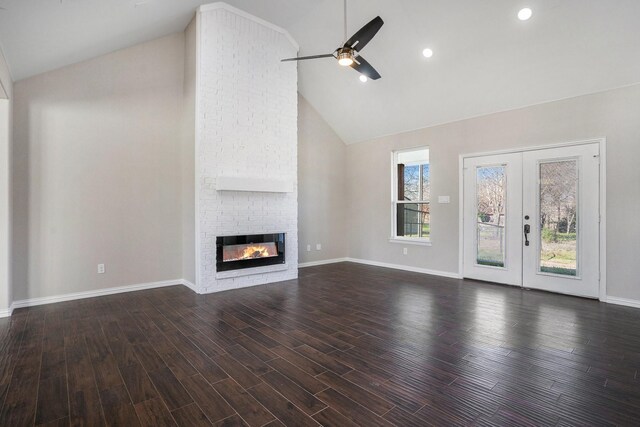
(348, 55)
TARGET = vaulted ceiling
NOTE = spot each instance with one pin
(485, 59)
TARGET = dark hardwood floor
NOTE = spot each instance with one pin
(344, 345)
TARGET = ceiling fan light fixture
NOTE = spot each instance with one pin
(345, 58)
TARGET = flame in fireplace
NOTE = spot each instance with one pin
(256, 251)
(249, 251)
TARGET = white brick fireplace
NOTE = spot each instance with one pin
(245, 141)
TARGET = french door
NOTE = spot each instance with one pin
(531, 219)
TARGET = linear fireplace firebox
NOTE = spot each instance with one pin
(258, 250)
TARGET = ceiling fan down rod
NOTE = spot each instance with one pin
(345, 22)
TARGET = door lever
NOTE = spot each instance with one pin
(527, 230)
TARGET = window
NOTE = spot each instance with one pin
(411, 195)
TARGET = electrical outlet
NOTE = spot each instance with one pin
(318, 247)
(101, 269)
(405, 251)
(308, 248)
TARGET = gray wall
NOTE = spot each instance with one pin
(6, 100)
(613, 114)
(322, 192)
(98, 172)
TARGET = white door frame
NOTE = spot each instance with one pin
(602, 143)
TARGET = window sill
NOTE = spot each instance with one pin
(415, 241)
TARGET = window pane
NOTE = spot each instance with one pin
(413, 220)
(558, 217)
(412, 193)
(491, 192)
(426, 187)
(411, 183)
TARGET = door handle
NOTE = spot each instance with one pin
(527, 230)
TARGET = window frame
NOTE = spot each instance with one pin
(426, 241)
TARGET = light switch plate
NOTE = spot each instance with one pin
(444, 199)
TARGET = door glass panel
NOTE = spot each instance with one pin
(491, 193)
(559, 217)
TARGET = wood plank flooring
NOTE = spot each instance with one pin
(344, 345)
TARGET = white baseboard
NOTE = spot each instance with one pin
(405, 268)
(7, 312)
(190, 285)
(622, 301)
(96, 293)
(382, 264)
(322, 262)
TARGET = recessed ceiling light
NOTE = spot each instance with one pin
(363, 78)
(525, 14)
(428, 53)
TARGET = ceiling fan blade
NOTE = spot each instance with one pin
(363, 67)
(303, 58)
(360, 39)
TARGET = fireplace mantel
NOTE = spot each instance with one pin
(255, 184)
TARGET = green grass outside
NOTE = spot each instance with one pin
(558, 270)
(490, 263)
(547, 236)
(558, 255)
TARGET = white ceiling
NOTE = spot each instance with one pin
(486, 60)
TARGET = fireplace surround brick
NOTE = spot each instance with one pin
(246, 124)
